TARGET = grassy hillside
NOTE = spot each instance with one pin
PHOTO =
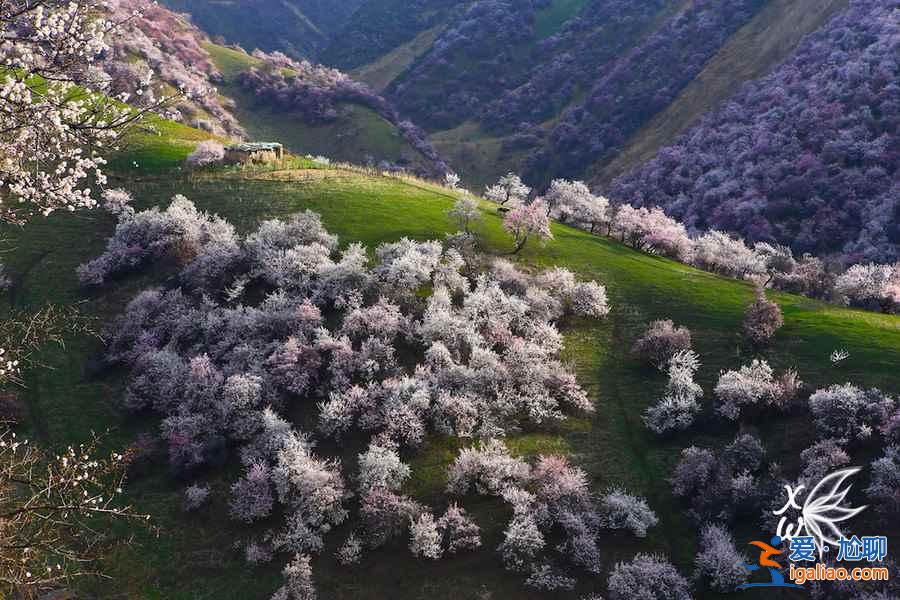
(188, 558)
(477, 157)
(752, 52)
(358, 133)
(380, 73)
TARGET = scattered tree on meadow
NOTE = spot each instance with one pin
(299, 583)
(195, 496)
(649, 578)
(466, 213)
(458, 530)
(508, 191)
(525, 221)
(847, 412)
(680, 403)
(620, 510)
(661, 342)
(822, 458)
(762, 319)
(350, 551)
(753, 385)
(425, 538)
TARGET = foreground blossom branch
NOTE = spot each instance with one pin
(56, 120)
(54, 510)
(23, 334)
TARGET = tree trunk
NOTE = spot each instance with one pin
(520, 244)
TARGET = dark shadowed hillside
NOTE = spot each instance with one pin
(298, 28)
(379, 26)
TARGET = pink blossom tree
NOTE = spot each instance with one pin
(763, 319)
(525, 221)
(206, 153)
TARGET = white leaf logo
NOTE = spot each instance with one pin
(823, 508)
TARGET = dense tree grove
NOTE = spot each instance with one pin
(618, 103)
(804, 156)
(376, 28)
(311, 90)
(482, 50)
(547, 497)
(253, 327)
(719, 485)
(571, 59)
(316, 93)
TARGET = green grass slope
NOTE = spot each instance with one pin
(359, 132)
(190, 558)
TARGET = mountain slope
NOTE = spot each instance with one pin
(298, 28)
(380, 26)
(806, 156)
(760, 46)
(156, 45)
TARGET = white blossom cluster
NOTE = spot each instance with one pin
(258, 324)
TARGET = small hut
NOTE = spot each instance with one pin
(256, 152)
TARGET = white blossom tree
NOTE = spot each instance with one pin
(620, 510)
(719, 563)
(649, 578)
(425, 538)
(509, 190)
(54, 510)
(753, 384)
(55, 120)
(208, 152)
(679, 406)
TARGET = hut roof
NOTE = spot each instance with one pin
(256, 146)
